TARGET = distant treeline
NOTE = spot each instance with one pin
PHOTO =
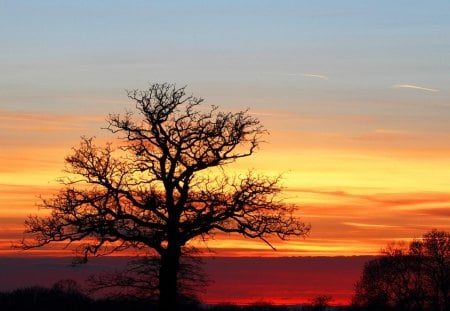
(66, 295)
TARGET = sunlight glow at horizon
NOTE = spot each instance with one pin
(363, 194)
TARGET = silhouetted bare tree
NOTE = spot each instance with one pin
(414, 278)
(159, 189)
(434, 253)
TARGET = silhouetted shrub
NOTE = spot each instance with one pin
(264, 306)
(60, 296)
(319, 303)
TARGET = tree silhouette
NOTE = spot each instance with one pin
(320, 303)
(164, 185)
(414, 278)
(139, 279)
(63, 295)
(434, 253)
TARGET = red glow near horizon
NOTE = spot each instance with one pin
(282, 281)
(237, 280)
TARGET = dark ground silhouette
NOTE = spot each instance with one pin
(71, 298)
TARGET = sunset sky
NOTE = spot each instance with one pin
(355, 95)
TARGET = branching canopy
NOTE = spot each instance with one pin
(156, 187)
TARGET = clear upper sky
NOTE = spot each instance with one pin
(356, 95)
(228, 49)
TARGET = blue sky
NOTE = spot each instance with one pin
(234, 50)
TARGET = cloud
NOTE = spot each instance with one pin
(415, 87)
(313, 75)
(368, 226)
(407, 201)
(46, 122)
(307, 75)
(436, 212)
(269, 114)
(386, 135)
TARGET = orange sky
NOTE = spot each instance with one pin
(355, 96)
(358, 196)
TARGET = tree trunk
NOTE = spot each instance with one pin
(168, 275)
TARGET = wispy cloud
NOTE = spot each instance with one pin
(386, 135)
(406, 200)
(304, 74)
(415, 87)
(45, 122)
(313, 75)
(438, 212)
(368, 226)
(269, 114)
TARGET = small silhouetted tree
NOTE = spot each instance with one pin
(413, 278)
(320, 303)
(159, 190)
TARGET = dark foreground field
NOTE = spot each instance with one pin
(58, 298)
(279, 281)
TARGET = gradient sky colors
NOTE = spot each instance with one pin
(355, 94)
